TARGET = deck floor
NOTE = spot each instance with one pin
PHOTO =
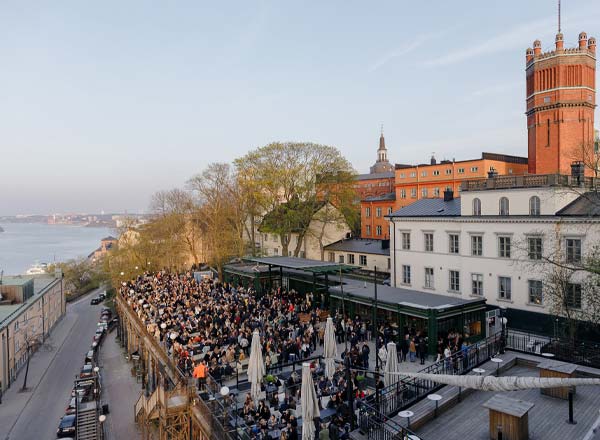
(547, 419)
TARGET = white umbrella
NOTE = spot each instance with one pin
(390, 373)
(308, 401)
(329, 349)
(256, 366)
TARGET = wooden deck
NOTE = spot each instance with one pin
(468, 419)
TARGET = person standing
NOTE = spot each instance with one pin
(365, 351)
(422, 349)
(412, 349)
(404, 348)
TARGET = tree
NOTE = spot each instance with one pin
(293, 175)
(219, 214)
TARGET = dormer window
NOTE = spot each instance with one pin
(534, 206)
(504, 206)
(476, 206)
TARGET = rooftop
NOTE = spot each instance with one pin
(586, 205)
(389, 196)
(429, 208)
(40, 283)
(401, 296)
(389, 175)
(301, 264)
(484, 156)
(361, 245)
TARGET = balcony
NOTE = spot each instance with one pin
(527, 181)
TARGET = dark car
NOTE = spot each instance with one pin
(102, 296)
(86, 371)
(95, 301)
(67, 426)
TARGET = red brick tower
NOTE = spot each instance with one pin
(561, 97)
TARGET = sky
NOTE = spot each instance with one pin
(104, 103)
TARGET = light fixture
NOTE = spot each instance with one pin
(224, 391)
(163, 326)
(102, 418)
(122, 273)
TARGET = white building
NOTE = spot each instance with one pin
(495, 240)
(325, 228)
(364, 252)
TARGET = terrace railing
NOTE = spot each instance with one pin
(578, 352)
(376, 427)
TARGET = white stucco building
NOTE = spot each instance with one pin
(495, 240)
(363, 252)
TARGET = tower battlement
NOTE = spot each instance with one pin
(586, 47)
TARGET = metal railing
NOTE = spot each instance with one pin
(376, 427)
(579, 352)
(409, 390)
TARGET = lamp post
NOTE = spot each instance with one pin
(503, 322)
(102, 419)
(376, 336)
(225, 392)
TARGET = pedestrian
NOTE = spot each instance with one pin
(365, 351)
(404, 348)
(422, 349)
(412, 349)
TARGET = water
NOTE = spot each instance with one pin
(22, 244)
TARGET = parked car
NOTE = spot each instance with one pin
(89, 357)
(67, 426)
(85, 390)
(95, 301)
(102, 295)
(72, 407)
(86, 371)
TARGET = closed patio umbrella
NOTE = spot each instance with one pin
(256, 366)
(309, 403)
(329, 349)
(390, 373)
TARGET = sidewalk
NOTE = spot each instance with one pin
(120, 391)
(14, 401)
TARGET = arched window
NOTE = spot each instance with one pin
(476, 206)
(503, 206)
(534, 205)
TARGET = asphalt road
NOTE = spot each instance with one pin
(48, 400)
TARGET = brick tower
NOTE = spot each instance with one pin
(561, 98)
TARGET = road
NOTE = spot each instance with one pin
(35, 414)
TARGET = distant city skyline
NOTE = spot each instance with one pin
(105, 104)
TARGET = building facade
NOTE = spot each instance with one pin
(496, 241)
(380, 179)
(560, 102)
(365, 253)
(30, 308)
(373, 222)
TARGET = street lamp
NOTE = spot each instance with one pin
(503, 322)
(225, 392)
(102, 419)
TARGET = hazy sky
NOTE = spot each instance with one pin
(104, 103)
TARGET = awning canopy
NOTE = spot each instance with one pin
(306, 265)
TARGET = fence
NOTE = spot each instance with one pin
(579, 352)
(408, 390)
(376, 427)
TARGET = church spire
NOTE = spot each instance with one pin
(381, 140)
(382, 165)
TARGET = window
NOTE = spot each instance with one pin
(436, 192)
(535, 292)
(274, 238)
(405, 274)
(368, 229)
(453, 244)
(534, 205)
(341, 259)
(402, 175)
(331, 257)
(504, 247)
(461, 171)
(423, 173)
(423, 192)
(389, 263)
(413, 192)
(504, 288)
(378, 212)
(428, 241)
(406, 241)
(476, 206)
(378, 230)
(413, 174)
(454, 281)
(402, 193)
(448, 171)
(477, 284)
(367, 212)
(503, 206)
(573, 296)
(474, 169)
(476, 245)
(276, 252)
(389, 211)
(362, 260)
(429, 277)
(350, 258)
(573, 247)
(534, 247)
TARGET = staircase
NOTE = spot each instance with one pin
(87, 422)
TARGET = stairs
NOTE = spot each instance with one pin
(87, 423)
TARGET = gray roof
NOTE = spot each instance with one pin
(383, 197)
(375, 176)
(293, 262)
(360, 246)
(586, 205)
(405, 297)
(430, 208)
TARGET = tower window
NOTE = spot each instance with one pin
(548, 132)
(546, 99)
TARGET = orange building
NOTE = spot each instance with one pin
(380, 179)
(373, 223)
(561, 98)
(414, 182)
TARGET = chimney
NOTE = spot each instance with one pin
(560, 44)
(492, 173)
(582, 40)
(448, 195)
(537, 48)
(577, 173)
(528, 55)
(592, 45)
(433, 161)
